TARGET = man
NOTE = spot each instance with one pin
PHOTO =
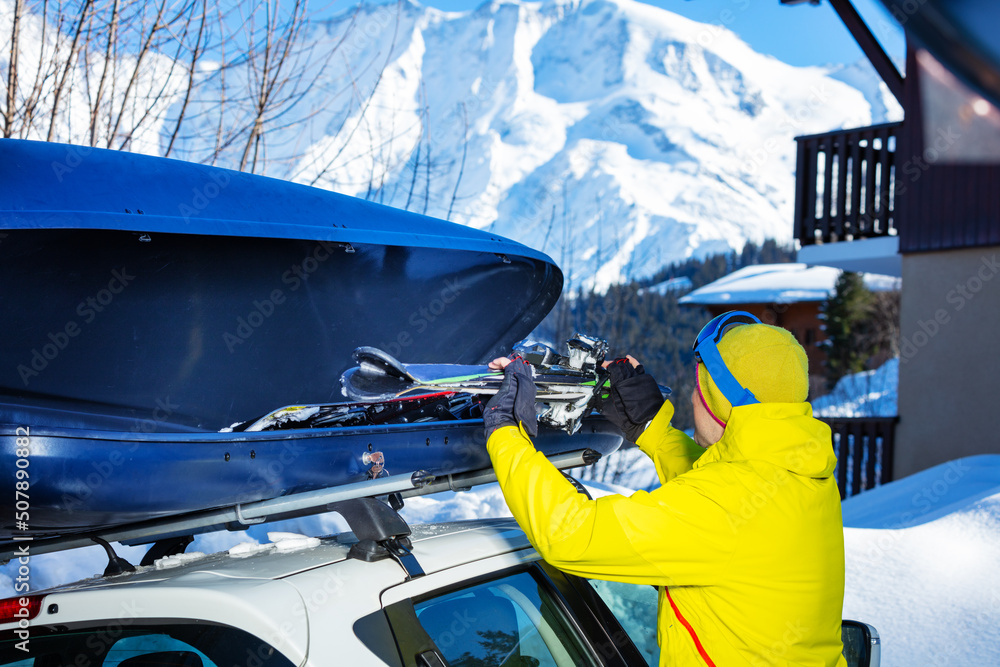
(744, 538)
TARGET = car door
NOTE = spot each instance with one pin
(631, 609)
(528, 615)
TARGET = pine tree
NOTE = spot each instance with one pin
(846, 314)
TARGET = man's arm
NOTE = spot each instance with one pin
(673, 536)
(636, 406)
(673, 451)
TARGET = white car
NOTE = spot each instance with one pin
(464, 593)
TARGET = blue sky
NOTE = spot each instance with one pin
(799, 35)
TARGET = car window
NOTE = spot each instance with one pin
(116, 643)
(514, 622)
(144, 649)
(635, 608)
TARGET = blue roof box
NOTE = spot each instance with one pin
(183, 297)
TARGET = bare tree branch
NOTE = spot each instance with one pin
(196, 53)
(461, 169)
(270, 79)
(367, 103)
(427, 139)
(108, 58)
(67, 67)
(48, 67)
(8, 115)
(143, 52)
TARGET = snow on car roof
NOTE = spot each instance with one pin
(437, 546)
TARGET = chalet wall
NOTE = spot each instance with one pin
(949, 373)
(940, 206)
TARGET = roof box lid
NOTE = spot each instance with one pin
(152, 294)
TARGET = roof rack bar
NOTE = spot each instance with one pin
(299, 504)
(313, 502)
(465, 481)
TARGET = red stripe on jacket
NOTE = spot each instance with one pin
(677, 612)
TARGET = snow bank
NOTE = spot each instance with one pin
(923, 564)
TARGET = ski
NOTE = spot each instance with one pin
(417, 407)
(568, 385)
(382, 390)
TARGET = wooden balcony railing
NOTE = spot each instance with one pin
(845, 184)
(864, 448)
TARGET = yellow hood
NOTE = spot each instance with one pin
(783, 434)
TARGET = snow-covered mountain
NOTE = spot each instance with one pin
(613, 135)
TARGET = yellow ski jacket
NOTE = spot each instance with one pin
(744, 539)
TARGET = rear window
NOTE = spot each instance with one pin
(117, 643)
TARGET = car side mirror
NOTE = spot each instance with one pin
(861, 644)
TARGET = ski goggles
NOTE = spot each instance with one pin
(706, 351)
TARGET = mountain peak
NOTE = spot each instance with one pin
(613, 135)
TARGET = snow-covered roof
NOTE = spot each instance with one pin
(779, 283)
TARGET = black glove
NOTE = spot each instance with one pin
(634, 398)
(515, 400)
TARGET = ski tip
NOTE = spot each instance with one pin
(374, 361)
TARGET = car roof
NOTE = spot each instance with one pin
(437, 547)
